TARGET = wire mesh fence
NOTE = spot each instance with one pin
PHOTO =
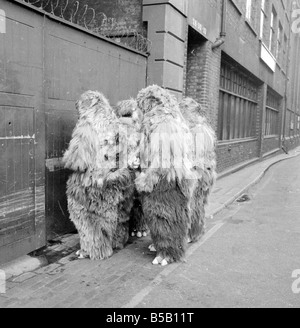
(94, 21)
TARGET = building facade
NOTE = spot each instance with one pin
(291, 125)
(238, 59)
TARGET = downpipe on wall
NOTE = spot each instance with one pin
(222, 37)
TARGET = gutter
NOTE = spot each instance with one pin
(222, 37)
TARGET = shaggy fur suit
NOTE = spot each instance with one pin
(204, 164)
(101, 188)
(130, 115)
(174, 196)
(157, 176)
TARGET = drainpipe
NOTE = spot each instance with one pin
(221, 39)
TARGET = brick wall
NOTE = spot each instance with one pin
(291, 143)
(292, 133)
(203, 77)
(270, 144)
(261, 114)
(232, 154)
(185, 63)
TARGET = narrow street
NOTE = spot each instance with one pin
(249, 261)
(246, 259)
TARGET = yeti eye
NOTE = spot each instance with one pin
(106, 157)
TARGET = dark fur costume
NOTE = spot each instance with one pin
(99, 186)
(130, 114)
(166, 185)
(204, 163)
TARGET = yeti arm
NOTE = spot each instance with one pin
(81, 151)
(146, 181)
(205, 157)
(205, 143)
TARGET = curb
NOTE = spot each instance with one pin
(251, 184)
(42, 258)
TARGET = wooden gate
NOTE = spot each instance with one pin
(45, 64)
(22, 136)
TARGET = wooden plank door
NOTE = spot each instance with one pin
(22, 146)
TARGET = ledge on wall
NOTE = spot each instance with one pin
(236, 6)
(270, 153)
(267, 57)
(237, 168)
(252, 29)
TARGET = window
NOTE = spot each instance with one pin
(298, 123)
(252, 11)
(248, 9)
(238, 103)
(262, 18)
(292, 122)
(279, 42)
(272, 30)
(284, 51)
(272, 114)
(287, 122)
(2, 21)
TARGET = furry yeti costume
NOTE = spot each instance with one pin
(129, 114)
(167, 180)
(204, 163)
(100, 185)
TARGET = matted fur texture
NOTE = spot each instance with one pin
(166, 185)
(204, 163)
(131, 116)
(100, 189)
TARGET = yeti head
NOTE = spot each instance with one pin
(192, 111)
(88, 101)
(154, 96)
(189, 105)
(126, 108)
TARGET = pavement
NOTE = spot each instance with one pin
(56, 278)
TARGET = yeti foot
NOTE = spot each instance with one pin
(139, 234)
(157, 260)
(164, 262)
(161, 261)
(152, 248)
(82, 254)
